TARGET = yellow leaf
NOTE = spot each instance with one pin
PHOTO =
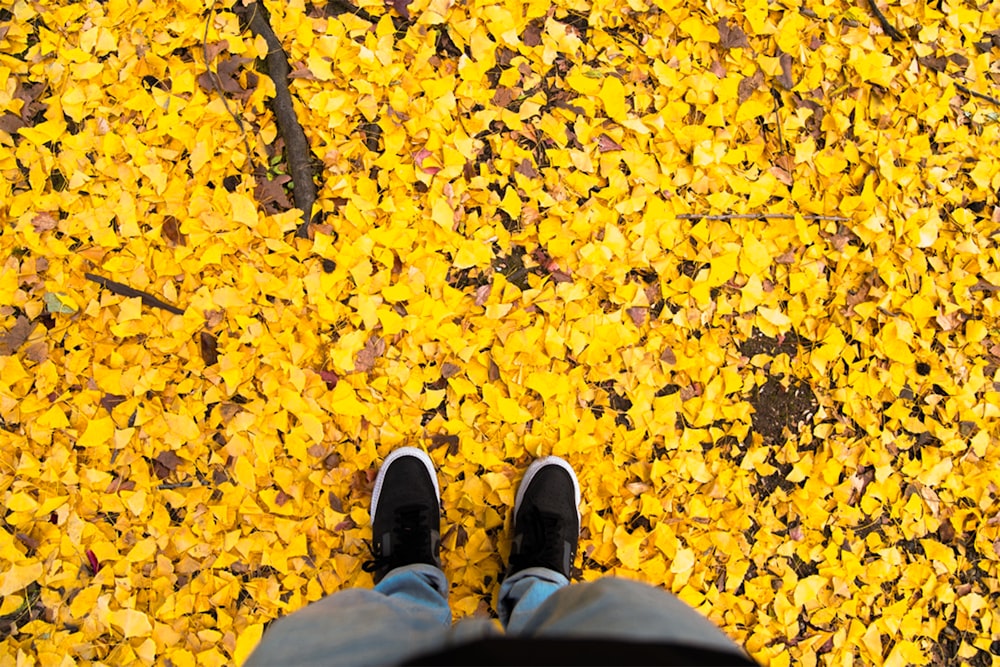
(244, 209)
(131, 623)
(16, 577)
(774, 316)
(130, 309)
(683, 561)
(583, 84)
(99, 432)
(873, 66)
(247, 641)
(613, 96)
(21, 502)
(142, 551)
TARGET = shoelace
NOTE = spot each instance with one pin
(410, 543)
(542, 543)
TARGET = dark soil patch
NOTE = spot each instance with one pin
(760, 344)
(777, 407)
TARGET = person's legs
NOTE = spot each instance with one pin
(535, 598)
(407, 611)
(546, 530)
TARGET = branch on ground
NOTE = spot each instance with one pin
(887, 27)
(297, 151)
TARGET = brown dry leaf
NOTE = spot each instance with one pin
(334, 502)
(691, 391)
(209, 347)
(731, 36)
(505, 95)
(483, 293)
(526, 168)
(228, 410)
(165, 463)
(15, 337)
(785, 78)
(668, 356)
(532, 34)
(171, 230)
(213, 318)
(782, 175)
(45, 221)
(110, 401)
(448, 440)
(213, 49)
(403, 7)
(271, 194)
(373, 349)
(748, 85)
(449, 370)
(606, 144)
(300, 71)
(37, 352)
(331, 461)
(227, 78)
(637, 314)
(786, 258)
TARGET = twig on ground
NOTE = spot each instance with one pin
(175, 485)
(125, 290)
(981, 96)
(758, 216)
(214, 77)
(887, 27)
(297, 150)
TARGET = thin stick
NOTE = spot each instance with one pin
(125, 290)
(214, 77)
(979, 95)
(176, 485)
(758, 216)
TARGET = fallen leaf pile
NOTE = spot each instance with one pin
(540, 232)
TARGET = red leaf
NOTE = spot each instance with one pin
(330, 378)
(95, 565)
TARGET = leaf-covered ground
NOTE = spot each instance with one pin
(790, 422)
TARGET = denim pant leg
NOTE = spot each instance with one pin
(614, 608)
(405, 614)
(523, 593)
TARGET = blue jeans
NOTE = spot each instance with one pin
(407, 614)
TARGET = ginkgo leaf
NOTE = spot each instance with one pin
(735, 265)
(56, 302)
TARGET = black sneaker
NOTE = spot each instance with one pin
(546, 518)
(406, 513)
